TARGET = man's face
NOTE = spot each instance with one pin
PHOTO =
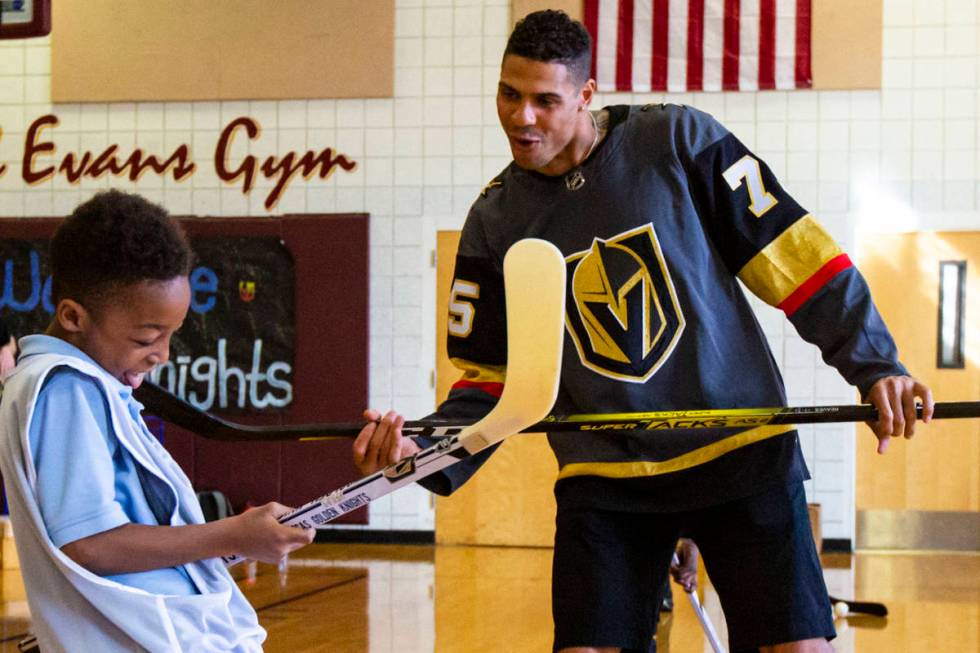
(540, 107)
(130, 333)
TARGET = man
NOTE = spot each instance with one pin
(659, 212)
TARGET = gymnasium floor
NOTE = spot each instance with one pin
(424, 599)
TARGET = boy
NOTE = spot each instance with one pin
(113, 548)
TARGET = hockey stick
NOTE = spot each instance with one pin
(162, 403)
(706, 625)
(535, 330)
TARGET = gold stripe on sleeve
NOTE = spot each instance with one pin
(789, 260)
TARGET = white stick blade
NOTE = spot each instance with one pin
(534, 285)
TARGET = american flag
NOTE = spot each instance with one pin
(699, 45)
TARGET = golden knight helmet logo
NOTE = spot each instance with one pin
(623, 312)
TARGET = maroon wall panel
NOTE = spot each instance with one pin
(330, 381)
(331, 371)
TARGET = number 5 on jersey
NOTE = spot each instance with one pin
(461, 312)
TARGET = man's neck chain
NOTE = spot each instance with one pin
(575, 179)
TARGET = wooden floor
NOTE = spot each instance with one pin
(423, 599)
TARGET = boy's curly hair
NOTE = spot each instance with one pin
(551, 36)
(112, 240)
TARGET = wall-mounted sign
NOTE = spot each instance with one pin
(180, 50)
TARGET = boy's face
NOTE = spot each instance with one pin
(541, 108)
(128, 334)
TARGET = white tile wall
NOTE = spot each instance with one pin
(903, 157)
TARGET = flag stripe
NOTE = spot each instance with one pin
(642, 44)
(785, 43)
(729, 75)
(606, 40)
(590, 19)
(661, 17)
(748, 45)
(714, 34)
(624, 47)
(694, 45)
(677, 45)
(767, 44)
(803, 43)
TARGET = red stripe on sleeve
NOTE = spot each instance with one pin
(658, 74)
(591, 21)
(624, 47)
(767, 44)
(729, 65)
(819, 279)
(695, 45)
(803, 18)
(490, 387)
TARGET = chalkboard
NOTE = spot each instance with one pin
(235, 350)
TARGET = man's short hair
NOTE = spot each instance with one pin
(551, 36)
(113, 240)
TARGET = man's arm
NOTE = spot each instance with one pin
(784, 256)
(477, 346)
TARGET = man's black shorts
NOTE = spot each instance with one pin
(609, 570)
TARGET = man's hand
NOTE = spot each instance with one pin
(380, 443)
(685, 573)
(894, 397)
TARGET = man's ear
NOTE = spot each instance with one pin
(71, 316)
(588, 90)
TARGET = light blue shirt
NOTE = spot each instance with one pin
(87, 482)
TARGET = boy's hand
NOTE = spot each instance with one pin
(894, 397)
(261, 537)
(380, 443)
(685, 573)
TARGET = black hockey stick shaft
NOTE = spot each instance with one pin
(162, 403)
(862, 607)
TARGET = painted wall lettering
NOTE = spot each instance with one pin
(88, 164)
(282, 170)
(26, 300)
(226, 386)
(41, 161)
